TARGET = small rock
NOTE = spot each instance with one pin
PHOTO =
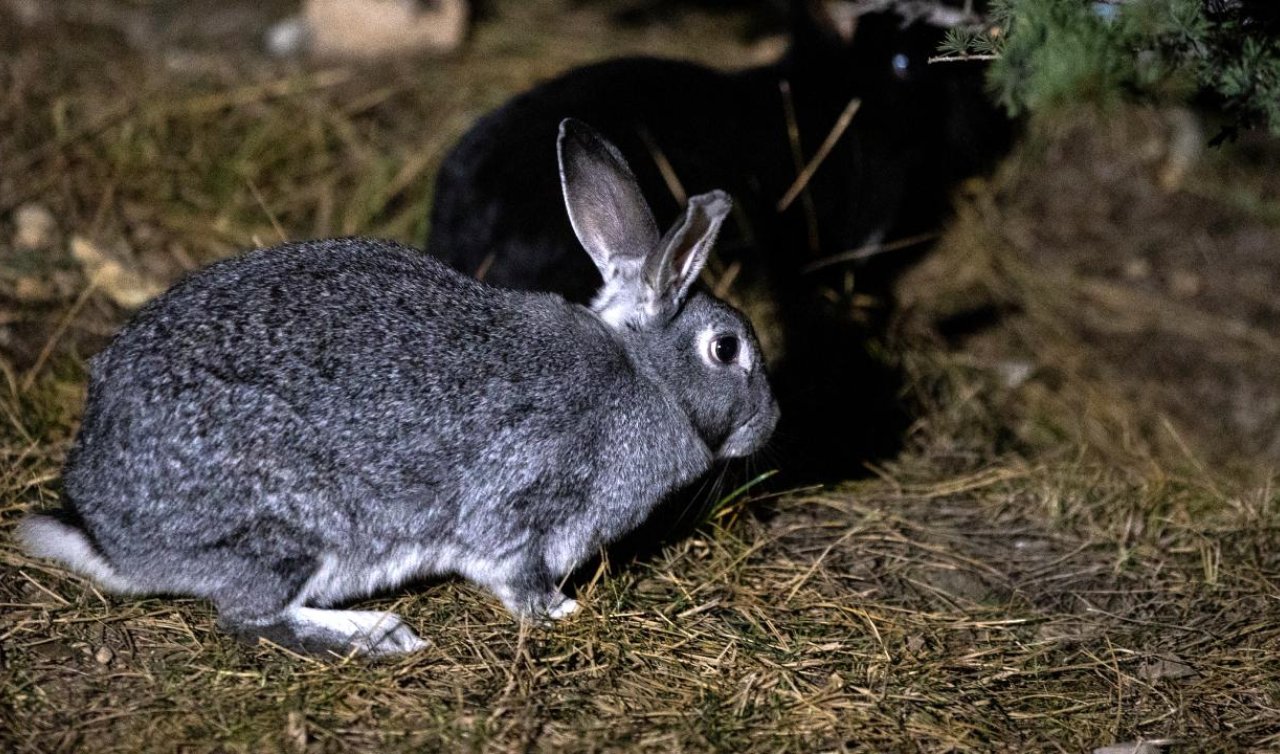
(27, 12)
(34, 290)
(956, 582)
(54, 650)
(289, 37)
(1014, 374)
(126, 286)
(34, 227)
(44, 287)
(374, 28)
(104, 655)
(1184, 284)
(1159, 667)
(1137, 269)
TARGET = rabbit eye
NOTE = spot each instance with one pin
(901, 65)
(724, 348)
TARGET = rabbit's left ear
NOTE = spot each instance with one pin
(608, 213)
(673, 266)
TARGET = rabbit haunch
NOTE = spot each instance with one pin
(316, 422)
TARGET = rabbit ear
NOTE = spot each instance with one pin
(645, 277)
(639, 296)
(608, 213)
(674, 265)
(819, 24)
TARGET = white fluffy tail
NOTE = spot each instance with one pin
(47, 537)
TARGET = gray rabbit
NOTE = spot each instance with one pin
(313, 423)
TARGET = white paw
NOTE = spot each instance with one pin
(566, 608)
(399, 640)
(367, 631)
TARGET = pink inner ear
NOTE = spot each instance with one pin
(680, 260)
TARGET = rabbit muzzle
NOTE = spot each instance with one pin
(751, 435)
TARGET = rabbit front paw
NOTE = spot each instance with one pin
(536, 605)
(567, 606)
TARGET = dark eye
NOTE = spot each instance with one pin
(724, 348)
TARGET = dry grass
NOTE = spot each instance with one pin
(1050, 564)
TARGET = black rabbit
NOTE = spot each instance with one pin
(918, 128)
(308, 424)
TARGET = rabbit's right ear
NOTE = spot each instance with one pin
(673, 266)
(606, 208)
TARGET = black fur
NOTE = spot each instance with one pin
(919, 128)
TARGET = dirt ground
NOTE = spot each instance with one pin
(1078, 546)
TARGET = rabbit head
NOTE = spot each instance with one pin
(702, 350)
(920, 126)
(879, 50)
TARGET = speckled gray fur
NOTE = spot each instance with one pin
(308, 424)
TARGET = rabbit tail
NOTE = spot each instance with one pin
(47, 536)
